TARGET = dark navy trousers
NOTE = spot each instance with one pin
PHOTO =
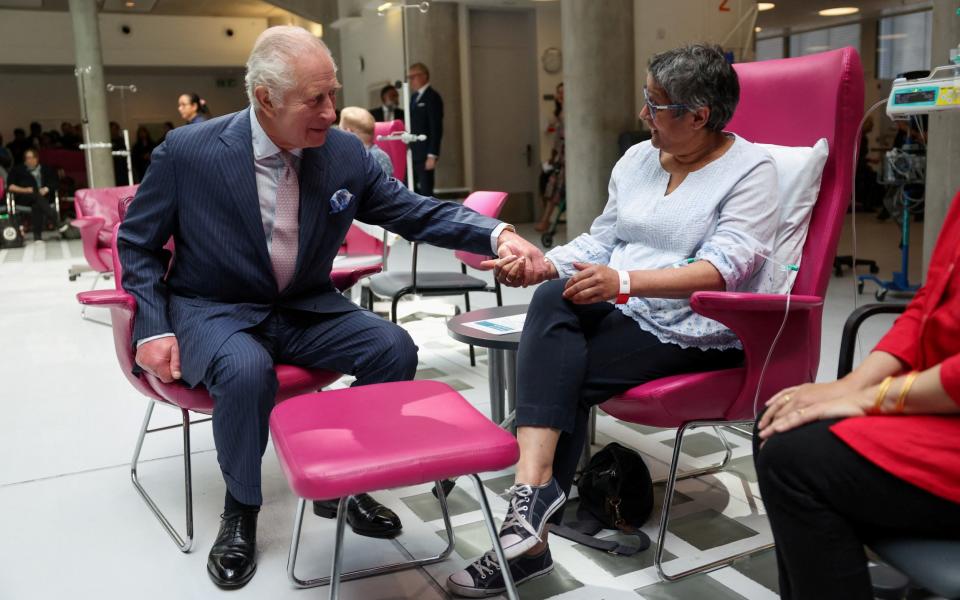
(574, 356)
(242, 381)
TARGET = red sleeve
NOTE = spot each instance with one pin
(903, 339)
(950, 377)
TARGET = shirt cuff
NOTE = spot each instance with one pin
(433, 156)
(154, 337)
(496, 235)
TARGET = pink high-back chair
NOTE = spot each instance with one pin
(789, 102)
(395, 149)
(97, 212)
(293, 380)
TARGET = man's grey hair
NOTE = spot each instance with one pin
(272, 58)
(699, 76)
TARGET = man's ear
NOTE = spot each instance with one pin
(700, 117)
(267, 105)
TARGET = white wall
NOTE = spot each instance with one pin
(378, 41)
(46, 38)
(51, 97)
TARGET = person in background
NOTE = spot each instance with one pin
(192, 108)
(389, 109)
(873, 455)
(6, 160)
(553, 187)
(18, 145)
(426, 117)
(34, 185)
(693, 191)
(69, 138)
(168, 126)
(140, 153)
(360, 123)
(36, 131)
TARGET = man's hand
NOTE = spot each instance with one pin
(431, 163)
(161, 357)
(592, 283)
(44, 191)
(520, 263)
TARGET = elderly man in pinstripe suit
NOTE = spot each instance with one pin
(258, 203)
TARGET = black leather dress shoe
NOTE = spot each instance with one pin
(365, 515)
(233, 558)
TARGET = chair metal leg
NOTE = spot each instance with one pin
(727, 455)
(668, 501)
(337, 576)
(83, 309)
(184, 543)
(495, 538)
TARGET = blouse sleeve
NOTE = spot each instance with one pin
(594, 247)
(746, 227)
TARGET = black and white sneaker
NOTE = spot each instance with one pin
(483, 577)
(530, 509)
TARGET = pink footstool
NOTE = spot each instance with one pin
(337, 443)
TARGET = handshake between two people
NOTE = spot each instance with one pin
(520, 264)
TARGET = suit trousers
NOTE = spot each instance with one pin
(423, 179)
(574, 356)
(40, 208)
(243, 383)
(825, 501)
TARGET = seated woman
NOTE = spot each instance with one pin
(692, 192)
(875, 454)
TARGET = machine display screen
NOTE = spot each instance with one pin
(916, 96)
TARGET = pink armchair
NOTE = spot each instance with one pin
(123, 310)
(791, 102)
(97, 212)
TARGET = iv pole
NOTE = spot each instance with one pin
(123, 119)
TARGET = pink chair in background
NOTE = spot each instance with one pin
(123, 310)
(395, 149)
(790, 102)
(97, 213)
(395, 285)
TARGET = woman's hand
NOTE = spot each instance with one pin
(803, 404)
(593, 283)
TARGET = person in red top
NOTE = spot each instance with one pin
(875, 454)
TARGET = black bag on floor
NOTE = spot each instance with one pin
(10, 236)
(616, 492)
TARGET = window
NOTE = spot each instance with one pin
(821, 40)
(903, 43)
(770, 48)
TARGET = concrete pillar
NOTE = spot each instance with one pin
(434, 39)
(598, 74)
(86, 42)
(943, 144)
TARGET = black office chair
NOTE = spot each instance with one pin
(929, 564)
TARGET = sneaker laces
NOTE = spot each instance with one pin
(486, 565)
(519, 504)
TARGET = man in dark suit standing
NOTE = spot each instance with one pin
(258, 203)
(426, 117)
(389, 109)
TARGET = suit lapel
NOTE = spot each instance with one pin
(314, 202)
(237, 168)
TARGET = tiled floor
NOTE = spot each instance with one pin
(72, 524)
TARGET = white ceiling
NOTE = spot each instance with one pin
(802, 14)
(209, 8)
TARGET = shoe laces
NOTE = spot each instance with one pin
(486, 565)
(521, 497)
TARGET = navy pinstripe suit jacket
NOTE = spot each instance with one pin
(201, 189)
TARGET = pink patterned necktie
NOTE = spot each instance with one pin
(286, 224)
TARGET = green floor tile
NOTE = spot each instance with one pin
(762, 568)
(658, 492)
(743, 466)
(644, 429)
(429, 373)
(621, 565)
(709, 529)
(699, 587)
(500, 485)
(472, 539)
(697, 444)
(427, 507)
(559, 581)
(458, 385)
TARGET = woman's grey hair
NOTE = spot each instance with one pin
(271, 60)
(699, 76)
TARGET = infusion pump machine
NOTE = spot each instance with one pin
(939, 91)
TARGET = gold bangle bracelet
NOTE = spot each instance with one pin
(881, 395)
(904, 390)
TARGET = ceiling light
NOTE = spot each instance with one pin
(757, 29)
(384, 7)
(839, 11)
(893, 36)
(129, 4)
(762, 6)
